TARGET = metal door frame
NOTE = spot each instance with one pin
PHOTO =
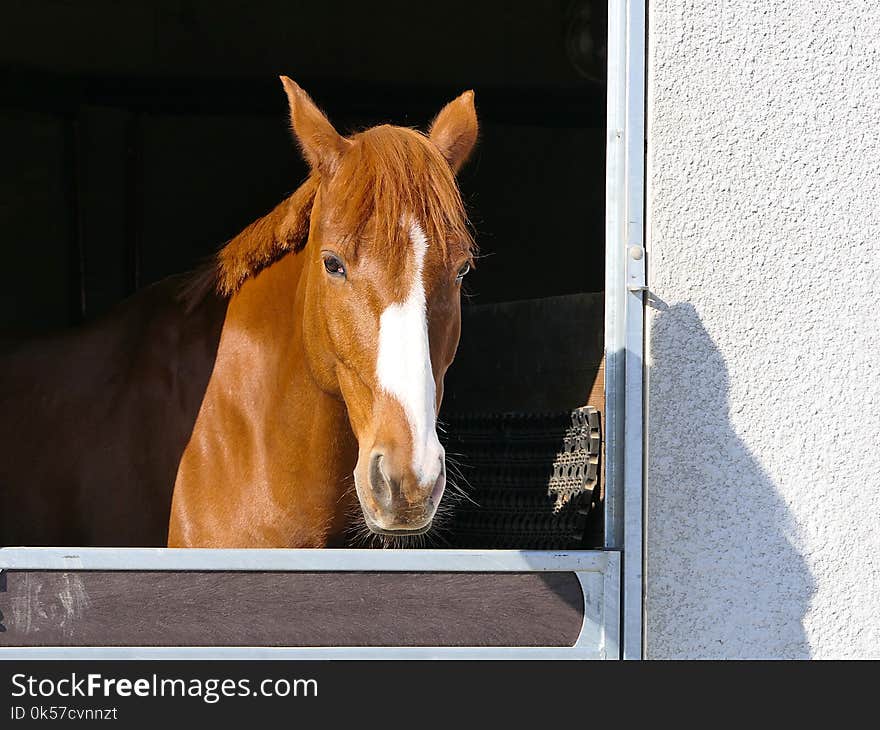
(612, 578)
(625, 287)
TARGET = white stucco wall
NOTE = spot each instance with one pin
(763, 527)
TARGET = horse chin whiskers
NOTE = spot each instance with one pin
(362, 536)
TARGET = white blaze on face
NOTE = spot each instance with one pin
(403, 365)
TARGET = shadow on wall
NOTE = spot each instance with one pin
(724, 578)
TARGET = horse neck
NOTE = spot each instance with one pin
(263, 366)
(263, 335)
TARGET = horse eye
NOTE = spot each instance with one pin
(462, 272)
(333, 265)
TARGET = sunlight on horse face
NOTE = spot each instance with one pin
(387, 249)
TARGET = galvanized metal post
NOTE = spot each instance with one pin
(624, 325)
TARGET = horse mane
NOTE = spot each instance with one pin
(393, 169)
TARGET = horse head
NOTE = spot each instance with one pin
(387, 245)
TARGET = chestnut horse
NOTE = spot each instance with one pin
(259, 402)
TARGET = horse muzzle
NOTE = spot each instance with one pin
(396, 503)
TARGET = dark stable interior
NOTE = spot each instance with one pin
(138, 137)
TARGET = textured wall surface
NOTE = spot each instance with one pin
(763, 342)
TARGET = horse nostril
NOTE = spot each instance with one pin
(379, 484)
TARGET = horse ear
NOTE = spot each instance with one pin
(454, 130)
(321, 144)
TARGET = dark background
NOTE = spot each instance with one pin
(137, 137)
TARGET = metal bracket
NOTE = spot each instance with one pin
(635, 269)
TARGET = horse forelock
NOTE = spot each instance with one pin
(391, 174)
